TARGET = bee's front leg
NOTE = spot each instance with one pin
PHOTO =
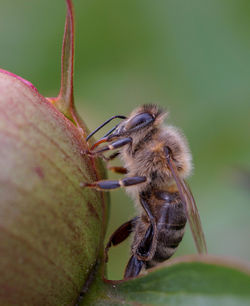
(112, 146)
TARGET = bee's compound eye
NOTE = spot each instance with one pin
(140, 120)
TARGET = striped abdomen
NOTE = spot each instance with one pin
(171, 223)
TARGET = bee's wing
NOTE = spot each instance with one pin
(191, 209)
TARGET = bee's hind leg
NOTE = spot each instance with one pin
(120, 235)
(145, 248)
(133, 267)
(143, 252)
(140, 257)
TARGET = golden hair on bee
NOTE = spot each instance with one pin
(146, 154)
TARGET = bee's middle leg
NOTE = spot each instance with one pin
(120, 170)
(114, 169)
(110, 184)
(146, 248)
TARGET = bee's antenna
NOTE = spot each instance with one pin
(102, 125)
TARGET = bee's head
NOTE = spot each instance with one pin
(144, 118)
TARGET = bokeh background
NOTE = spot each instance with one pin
(191, 57)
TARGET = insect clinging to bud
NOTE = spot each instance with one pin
(156, 160)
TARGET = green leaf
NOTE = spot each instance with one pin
(51, 230)
(191, 280)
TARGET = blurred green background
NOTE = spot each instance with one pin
(191, 57)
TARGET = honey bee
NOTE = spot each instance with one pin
(156, 160)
